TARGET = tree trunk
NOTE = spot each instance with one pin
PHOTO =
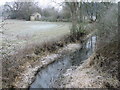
(74, 17)
(118, 38)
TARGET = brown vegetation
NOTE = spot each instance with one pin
(106, 61)
(13, 65)
(98, 71)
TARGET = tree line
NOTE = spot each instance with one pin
(23, 10)
(75, 12)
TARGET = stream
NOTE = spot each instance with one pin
(47, 77)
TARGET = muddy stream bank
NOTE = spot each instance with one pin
(48, 76)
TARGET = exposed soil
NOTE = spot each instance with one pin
(99, 71)
(30, 71)
(20, 68)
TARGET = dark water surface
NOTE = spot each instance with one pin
(48, 75)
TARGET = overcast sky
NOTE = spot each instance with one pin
(41, 2)
(45, 3)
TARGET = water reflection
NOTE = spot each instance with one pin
(47, 76)
(84, 53)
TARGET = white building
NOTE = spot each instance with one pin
(35, 17)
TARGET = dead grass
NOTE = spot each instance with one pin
(55, 45)
(14, 64)
(99, 71)
(106, 62)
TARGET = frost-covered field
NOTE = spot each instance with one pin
(19, 33)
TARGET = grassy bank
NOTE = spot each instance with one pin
(14, 65)
(106, 62)
(99, 71)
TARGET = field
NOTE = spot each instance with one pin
(18, 33)
(19, 38)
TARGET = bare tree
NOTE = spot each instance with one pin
(20, 10)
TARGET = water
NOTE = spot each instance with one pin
(84, 53)
(48, 75)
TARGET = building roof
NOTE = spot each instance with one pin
(35, 13)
